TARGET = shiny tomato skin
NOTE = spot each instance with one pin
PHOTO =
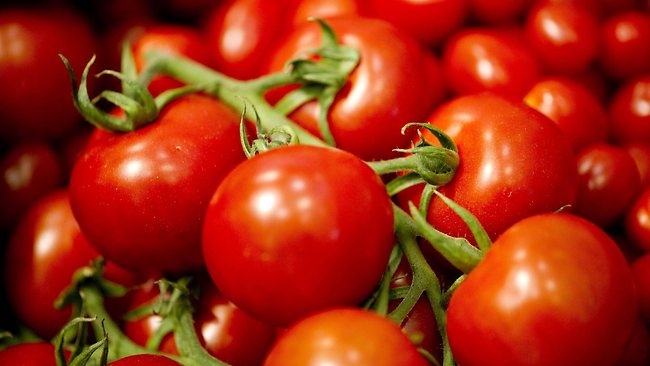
(429, 21)
(32, 72)
(629, 115)
(637, 220)
(28, 354)
(624, 39)
(544, 294)
(485, 59)
(514, 162)
(564, 36)
(344, 336)
(608, 181)
(577, 112)
(28, 171)
(640, 152)
(145, 360)
(383, 93)
(143, 194)
(286, 228)
(303, 10)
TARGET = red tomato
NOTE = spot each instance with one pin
(608, 181)
(482, 59)
(36, 102)
(44, 251)
(388, 89)
(624, 44)
(572, 107)
(344, 336)
(28, 354)
(498, 11)
(305, 9)
(143, 194)
(637, 352)
(514, 162)
(145, 360)
(641, 272)
(637, 221)
(564, 36)
(429, 21)
(224, 330)
(285, 229)
(640, 152)
(172, 40)
(243, 33)
(629, 111)
(544, 294)
(28, 171)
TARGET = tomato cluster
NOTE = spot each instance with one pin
(246, 191)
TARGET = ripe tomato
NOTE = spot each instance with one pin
(145, 360)
(637, 220)
(285, 229)
(305, 9)
(629, 114)
(44, 251)
(344, 336)
(544, 294)
(637, 352)
(564, 36)
(624, 38)
(28, 354)
(608, 181)
(143, 194)
(28, 171)
(514, 162)
(389, 88)
(34, 104)
(484, 59)
(641, 271)
(572, 107)
(429, 21)
(640, 152)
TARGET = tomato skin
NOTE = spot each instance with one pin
(28, 171)
(624, 39)
(637, 352)
(305, 9)
(483, 59)
(429, 21)
(572, 107)
(145, 360)
(640, 152)
(564, 36)
(143, 194)
(629, 115)
(28, 354)
(637, 225)
(344, 336)
(280, 237)
(384, 92)
(544, 294)
(608, 181)
(640, 268)
(30, 41)
(531, 165)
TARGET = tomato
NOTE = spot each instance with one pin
(243, 33)
(608, 181)
(28, 171)
(429, 21)
(624, 39)
(173, 40)
(629, 112)
(145, 360)
(572, 107)
(498, 11)
(637, 220)
(224, 330)
(389, 88)
(44, 251)
(641, 272)
(564, 36)
(484, 59)
(34, 104)
(514, 162)
(305, 9)
(285, 229)
(28, 354)
(637, 352)
(143, 194)
(344, 336)
(640, 152)
(545, 294)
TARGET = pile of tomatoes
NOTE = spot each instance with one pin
(515, 230)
